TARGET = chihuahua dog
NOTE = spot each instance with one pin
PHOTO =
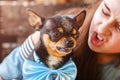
(58, 36)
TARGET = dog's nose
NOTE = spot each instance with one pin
(69, 43)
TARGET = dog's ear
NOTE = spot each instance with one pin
(35, 20)
(80, 18)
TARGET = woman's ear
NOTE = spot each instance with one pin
(35, 20)
(80, 18)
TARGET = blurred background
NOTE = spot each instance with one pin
(14, 27)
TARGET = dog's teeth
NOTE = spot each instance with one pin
(63, 49)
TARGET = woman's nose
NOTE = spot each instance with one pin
(103, 29)
(106, 27)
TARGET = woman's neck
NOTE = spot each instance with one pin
(106, 58)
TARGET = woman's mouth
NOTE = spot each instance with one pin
(97, 39)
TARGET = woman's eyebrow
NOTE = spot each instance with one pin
(106, 6)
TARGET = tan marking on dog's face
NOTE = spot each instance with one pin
(60, 30)
(74, 31)
(52, 47)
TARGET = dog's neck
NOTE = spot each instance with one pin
(53, 62)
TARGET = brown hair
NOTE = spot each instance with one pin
(85, 59)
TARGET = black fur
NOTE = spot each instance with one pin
(55, 23)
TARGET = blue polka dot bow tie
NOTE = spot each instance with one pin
(38, 71)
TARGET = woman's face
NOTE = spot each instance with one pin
(104, 33)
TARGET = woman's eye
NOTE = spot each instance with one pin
(119, 28)
(105, 13)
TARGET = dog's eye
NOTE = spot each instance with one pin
(57, 34)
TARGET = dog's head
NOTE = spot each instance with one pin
(58, 33)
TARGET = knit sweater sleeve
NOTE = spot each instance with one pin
(27, 48)
(11, 66)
